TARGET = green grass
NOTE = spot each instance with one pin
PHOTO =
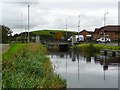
(101, 46)
(28, 68)
(12, 51)
(93, 49)
(49, 32)
(98, 47)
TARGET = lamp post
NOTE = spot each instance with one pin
(66, 27)
(21, 29)
(118, 36)
(78, 27)
(25, 35)
(105, 25)
(105, 18)
(28, 26)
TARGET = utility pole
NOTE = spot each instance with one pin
(66, 27)
(119, 24)
(78, 27)
(118, 36)
(105, 25)
(25, 35)
(21, 27)
(66, 30)
(105, 18)
(28, 26)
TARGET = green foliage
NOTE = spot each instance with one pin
(101, 46)
(58, 35)
(12, 51)
(28, 68)
(87, 49)
(91, 49)
(97, 46)
(6, 33)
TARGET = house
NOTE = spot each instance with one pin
(110, 31)
(88, 35)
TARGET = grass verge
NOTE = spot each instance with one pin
(96, 46)
(91, 48)
(26, 66)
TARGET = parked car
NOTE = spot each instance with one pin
(103, 40)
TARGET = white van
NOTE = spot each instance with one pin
(77, 38)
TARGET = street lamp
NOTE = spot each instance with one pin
(66, 27)
(78, 27)
(105, 18)
(105, 24)
(21, 28)
(28, 26)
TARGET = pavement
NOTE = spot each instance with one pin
(4, 48)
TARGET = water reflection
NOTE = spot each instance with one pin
(86, 71)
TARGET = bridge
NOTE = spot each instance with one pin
(61, 46)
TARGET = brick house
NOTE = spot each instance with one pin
(88, 35)
(111, 31)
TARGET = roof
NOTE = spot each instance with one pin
(111, 28)
(86, 31)
(97, 30)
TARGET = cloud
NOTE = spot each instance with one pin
(119, 13)
(15, 16)
(49, 14)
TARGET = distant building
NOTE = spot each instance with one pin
(110, 31)
(88, 35)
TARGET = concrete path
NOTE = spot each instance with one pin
(4, 47)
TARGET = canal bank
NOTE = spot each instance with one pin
(98, 48)
(26, 66)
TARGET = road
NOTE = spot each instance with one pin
(4, 48)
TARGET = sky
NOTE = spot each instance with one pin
(52, 14)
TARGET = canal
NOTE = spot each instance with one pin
(83, 71)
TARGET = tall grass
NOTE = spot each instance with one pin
(26, 66)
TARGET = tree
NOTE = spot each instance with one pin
(6, 33)
(58, 35)
(0, 34)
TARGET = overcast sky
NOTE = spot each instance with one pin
(52, 14)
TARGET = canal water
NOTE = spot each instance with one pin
(82, 71)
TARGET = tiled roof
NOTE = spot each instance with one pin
(86, 31)
(111, 28)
